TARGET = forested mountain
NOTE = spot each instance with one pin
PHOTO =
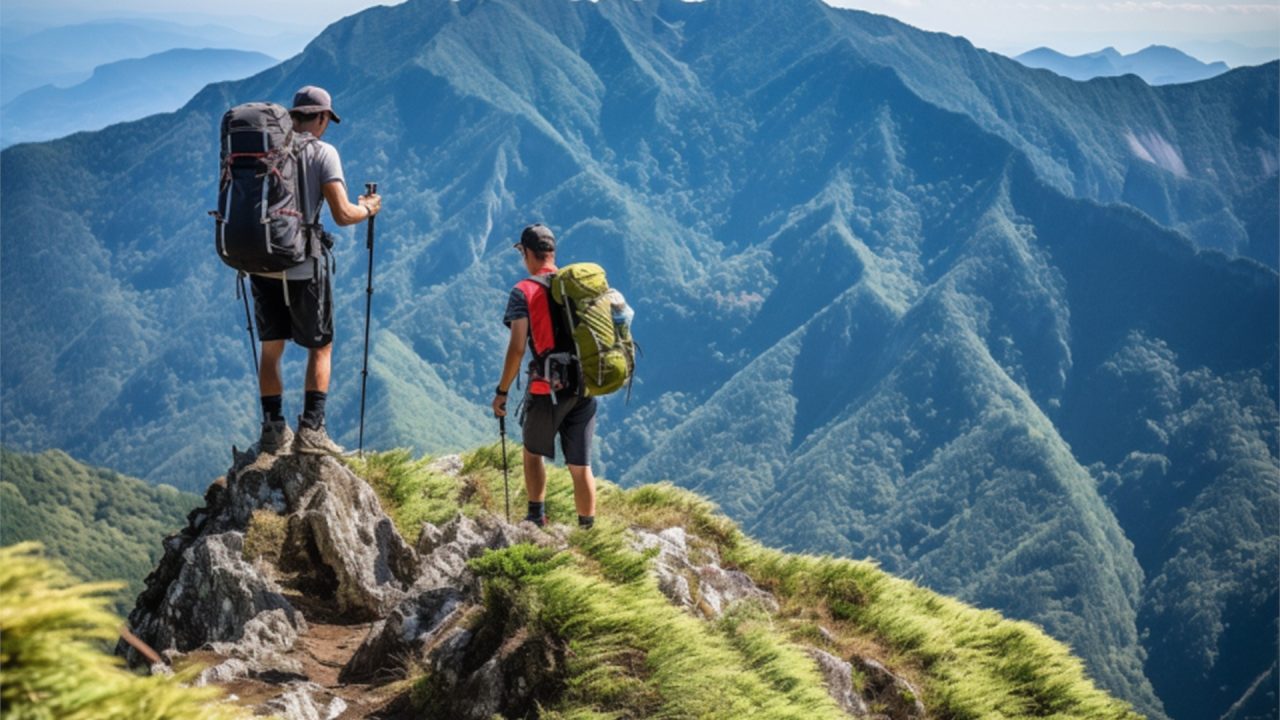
(1011, 335)
(1157, 64)
(122, 90)
(99, 524)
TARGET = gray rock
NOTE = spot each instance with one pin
(265, 635)
(475, 679)
(306, 701)
(224, 672)
(371, 565)
(213, 599)
(838, 677)
(722, 588)
(444, 551)
(450, 465)
(716, 589)
(405, 636)
(340, 550)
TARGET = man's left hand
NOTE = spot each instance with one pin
(499, 406)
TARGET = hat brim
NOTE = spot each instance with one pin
(317, 109)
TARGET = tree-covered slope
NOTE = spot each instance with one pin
(100, 525)
(891, 299)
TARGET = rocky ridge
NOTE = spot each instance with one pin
(294, 590)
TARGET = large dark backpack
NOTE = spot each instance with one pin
(261, 194)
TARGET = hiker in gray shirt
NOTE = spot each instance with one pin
(302, 311)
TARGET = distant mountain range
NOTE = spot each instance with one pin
(65, 55)
(1158, 65)
(1009, 334)
(123, 90)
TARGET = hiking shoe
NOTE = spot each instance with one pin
(314, 441)
(276, 436)
(539, 520)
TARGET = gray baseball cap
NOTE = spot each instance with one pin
(312, 99)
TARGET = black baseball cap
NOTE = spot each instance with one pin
(538, 237)
(311, 99)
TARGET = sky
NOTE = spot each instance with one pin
(1005, 26)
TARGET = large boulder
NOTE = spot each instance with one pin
(341, 553)
(335, 517)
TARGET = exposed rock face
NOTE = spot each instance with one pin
(702, 585)
(215, 597)
(445, 594)
(203, 591)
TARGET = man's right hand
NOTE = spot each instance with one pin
(373, 202)
(499, 405)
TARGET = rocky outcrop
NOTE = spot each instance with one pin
(337, 607)
(444, 596)
(698, 583)
(216, 597)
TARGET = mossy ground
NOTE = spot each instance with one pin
(635, 654)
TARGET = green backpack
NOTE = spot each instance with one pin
(599, 322)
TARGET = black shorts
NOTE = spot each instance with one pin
(307, 319)
(574, 418)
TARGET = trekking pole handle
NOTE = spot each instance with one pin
(370, 188)
(502, 424)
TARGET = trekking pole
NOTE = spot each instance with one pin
(506, 488)
(369, 189)
(248, 321)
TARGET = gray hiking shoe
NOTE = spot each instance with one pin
(276, 436)
(314, 441)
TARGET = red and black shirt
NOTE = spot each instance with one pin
(530, 299)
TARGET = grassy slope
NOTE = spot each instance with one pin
(635, 654)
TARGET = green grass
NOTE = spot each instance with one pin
(52, 634)
(632, 653)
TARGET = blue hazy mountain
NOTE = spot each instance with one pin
(1010, 334)
(67, 54)
(123, 90)
(1157, 64)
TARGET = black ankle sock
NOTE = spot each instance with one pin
(586, 521)
(313, 408)
(272, 408)
(536, 510)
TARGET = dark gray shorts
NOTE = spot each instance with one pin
(307, 319)
(574, 418)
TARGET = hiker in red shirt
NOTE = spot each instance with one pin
(534, 320)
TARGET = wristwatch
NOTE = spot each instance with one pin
(500, 392)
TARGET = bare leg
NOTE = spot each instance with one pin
(269, 382)
(584, 489)
(318, 368)
(535, 477)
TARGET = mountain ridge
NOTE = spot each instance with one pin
(1155, 64)
(867, 173)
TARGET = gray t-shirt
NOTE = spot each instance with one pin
(320, 165)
